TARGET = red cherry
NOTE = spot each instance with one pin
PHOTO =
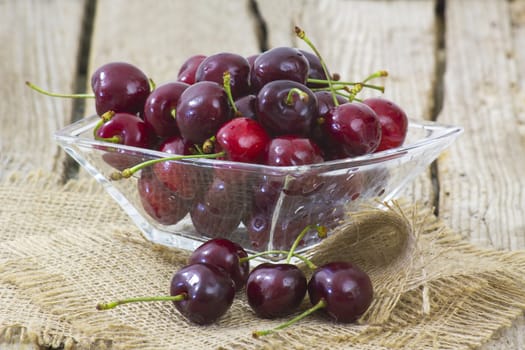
(352, 129)
(243, 140)
(393, 119)
(189, 68)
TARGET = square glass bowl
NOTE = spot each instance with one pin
(260, 207)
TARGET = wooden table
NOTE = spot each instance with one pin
(459, 62)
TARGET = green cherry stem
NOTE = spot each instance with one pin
(55, 94)
(303, 96)
(321, 231)
(320, 305)
(378, 74)
(128, 172)
(341, 84)
(114, 304)
(304, 259)
(302, 35)
(226, 82)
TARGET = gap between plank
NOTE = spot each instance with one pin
(438, 90)
(71, 167)
(261, 28)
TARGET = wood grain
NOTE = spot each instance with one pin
(481, 178)
(45, 52)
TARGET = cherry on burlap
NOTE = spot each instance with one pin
(66, 248)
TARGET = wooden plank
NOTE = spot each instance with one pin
(169, 32)
(357, 38)
(482, 184)
(44, 51)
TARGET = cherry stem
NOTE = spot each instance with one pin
(303, 96)
(103, 118)
(208, 146)
(55, 94)
(321, 231)
(341, 84)
(152, 84)
(378, 74)
(308, 263)
(113, 304)
(128, 172)
(173, 113)
(320, 305)
(302, 35)
(226, 82)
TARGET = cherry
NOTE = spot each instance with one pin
(200, 292)
(125, 129)
(189, 68)
(279, 63)
(219, 211)
(352, 129)
(285, 107)
(184, 179)
(246, 106)
(243, 140)
(292, 150)
(275, 290)
(212, 68)
(345, 290)
(160, 107)
(119, 87)
(202, 109)
(315, 70)
(158, 201)
(225, 254)
(393, 120)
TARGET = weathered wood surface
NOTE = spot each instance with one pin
(464, 65)
(39, 42)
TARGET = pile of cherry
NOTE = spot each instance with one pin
(204, 289)
(278, 108)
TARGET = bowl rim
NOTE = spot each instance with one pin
(436, 133)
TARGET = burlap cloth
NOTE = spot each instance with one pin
(65, 248)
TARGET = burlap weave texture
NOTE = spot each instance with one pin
(66, 248)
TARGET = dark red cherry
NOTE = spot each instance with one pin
(352, 129)
(225, 254)
(119, 87)
(285, 107)
(189, 68)
(213, 67)
(220, 210)
(393, 120)
(208, 291)
(345, 289)
(316, 69)
(202, 109)
(246, 106)
(160, 107)
(158, 201)
(243, 140)
(279, 63)
(126, 129)
(275, 290)
(292, 150)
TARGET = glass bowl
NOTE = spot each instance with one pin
(260, 207)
